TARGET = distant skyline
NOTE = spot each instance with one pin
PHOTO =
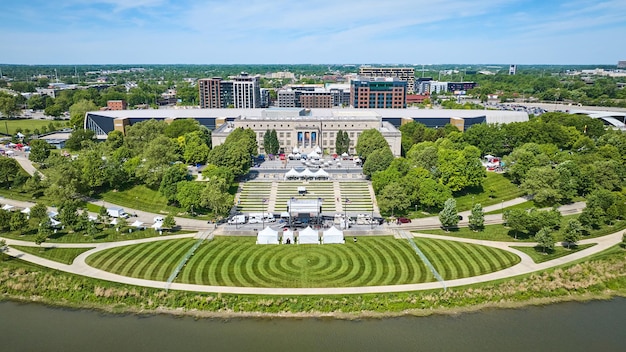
(312, 32)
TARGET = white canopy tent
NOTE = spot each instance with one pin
(267, 236)
(54, 223)
(25, 211)
(114, 221)
(321, 174)
(318, 150)
(295, 150)
(313, 155)
(308, 236)
(332, 235)
(7, 207)
(138, 224)
(292, 174)
(288, 235)
(92, 218)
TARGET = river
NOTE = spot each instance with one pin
(592, 326)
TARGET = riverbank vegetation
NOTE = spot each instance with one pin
(601, 276)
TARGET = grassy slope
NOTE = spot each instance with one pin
(538, 256)
(239, 262)
(61, 255)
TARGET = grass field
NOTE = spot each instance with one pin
(496, 188)
(140, 198)
(238, 261)
(489, 233)
(28, 124)
(106, 235)
(538, 256)
(61, 255)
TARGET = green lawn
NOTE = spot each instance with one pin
(489, 233)
(496, 188)
(61, 255)
(29, 124)
(238, 261)
(106, 235)
(538, 255)
(140, 198)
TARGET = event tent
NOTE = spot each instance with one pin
(292, 174)
(138, 224)
(7, 207)
(320, 174)
(267, 236)
(332, 235)
(25, 211)
(308, 236)
(288, 234)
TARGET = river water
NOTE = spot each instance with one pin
(593, 326)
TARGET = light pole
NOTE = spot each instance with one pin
(263, 212)
(345, 213)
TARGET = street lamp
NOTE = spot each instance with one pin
(263, 212)
(345, 213)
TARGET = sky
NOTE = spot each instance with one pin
(520, 32)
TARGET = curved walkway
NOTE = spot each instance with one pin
(525, 266)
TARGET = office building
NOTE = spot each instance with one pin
(406, 74)
(241, 92)
(378, 93)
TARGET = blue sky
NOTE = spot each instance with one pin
(313, 31)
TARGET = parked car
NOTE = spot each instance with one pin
(404, 220)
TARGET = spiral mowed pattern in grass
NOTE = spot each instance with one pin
(238, 261)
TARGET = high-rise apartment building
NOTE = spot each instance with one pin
(242, 92)
(313, 96)
(406, 74)
(512, 69)
(378, 93)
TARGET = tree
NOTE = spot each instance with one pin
(270, 142)
(43, 232)
(477, 218)
(169, 222)
(78, 111)
(187, 194)
(92, 230)
(39, 150)
(378, 160)
(572, 232)
(369, 141)
(9, 106)
(18, 221)
(122, 224)
(68, 213)
(215, 196)
(181, 127)
(342, 142)
(79, 138)
(156, 158)
(39, 212)
(3, 246)
(55, 110)
(195, 149)
(115, 139)
(393, 197)
(103, 215)
(449, 216)
(5, 219)
(172, 175)
(545, 239)
(9, 168)
(82, 221)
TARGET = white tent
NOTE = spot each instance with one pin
(26, 211)
(52, 214)
(54, 223)
(307, 173)
(308, 236)
(92, 218)
(292, 174)
(295, 150)
(321, 174)
(318, 150)
(267, 236)
(288, 234)
(157, 226)
(332, 235)
(138, 224)
(114, 221)
(7, 207)
(314, 155)
(345, 155)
